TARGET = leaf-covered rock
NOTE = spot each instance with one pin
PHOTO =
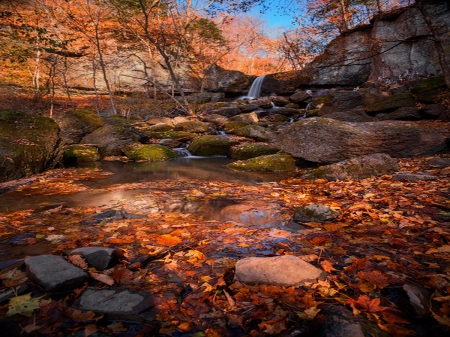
(252, 150)
(269, 163)
(149, 152)
(77, 154)
(76, 124)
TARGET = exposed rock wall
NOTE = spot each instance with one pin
(382, 51)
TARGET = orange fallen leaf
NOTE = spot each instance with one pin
(327, 265)
(77, 260)
(366, 304)
(168, 240)
(102, 278)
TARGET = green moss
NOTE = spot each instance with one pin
(248, 151)
(171, 135)
(233, 126)
(152, 152)
(76, 154)
(221, 105)
(391, 103)
(269, 163)
(160, 127)
(211, 145)
(428, 84)
(88, 117)
(318, 173)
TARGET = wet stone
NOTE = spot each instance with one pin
(315, 213)
(116, 303)
(286, 270)
(100, 258)
(54, 273)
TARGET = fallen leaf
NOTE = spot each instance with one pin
(168, 240)
(23, 304)
(102, 278)
(78, 260)
(327, 266)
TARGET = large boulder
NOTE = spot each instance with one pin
(391, 103)
(269, 163)
(324, 140)
(112, 139)
(228, 81)
(29, 144)
(338, 101)
(76, 124)
(211, 145)
(149, 152)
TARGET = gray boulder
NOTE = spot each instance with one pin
(286, 270)
(29, 144)
(356, 168)
(76, 124)
(357, 115)
(100, 258)
(403, 114)
(391, 103)
(433, 111)
(250, 117)
(54, 273)
(111, 139)
(324, 140)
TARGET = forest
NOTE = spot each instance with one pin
(225, 168)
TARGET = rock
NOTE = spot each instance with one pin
(251, 117)
(79, 154)
(391, 103)
(433, 111)
(338, 321)
(227, 81)
(211, 145)
(149, 152)
(76, 124)
(216, 119)
(160, 127)
(413, 177)
(247, 151)
(268, 163)
(227, 111)
(54, 273)
(159, 120)
(316, 213)
(262, 102)
(172, 143)
(192, 126)
(299, 96)
(338, 101)
(445, 116)
(231, 127)
(248, 107)
(286, 270)
(403, 114)
(8, 293)
(286, 111)
(356, 168)
(115, 303)
(439, 162)
(111, 139)
(29, 144)
(324, 140)
(256, 132)
(100, 258)
(356, 116)
(279, 100)
(427, 90)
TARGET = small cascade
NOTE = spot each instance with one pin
(255, 89)
(183, 152)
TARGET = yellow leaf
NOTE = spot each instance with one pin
(24, 305)
(309, 314)
(195, 254)
(208, 287)
(442, 249)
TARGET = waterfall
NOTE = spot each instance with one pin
(255, 89)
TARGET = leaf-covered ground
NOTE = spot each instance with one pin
(389, 233)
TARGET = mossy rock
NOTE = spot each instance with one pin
(211, 145)
(78, 154)
(247, 151)
(392, 103)
(149, 152)
(161, 127)
(256, 132)
(75, 124)
(231, 127)
(428, 90)
(172, 135)
(269, 163)
(192, 126)
(29, 144)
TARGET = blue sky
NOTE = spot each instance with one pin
(279, 16)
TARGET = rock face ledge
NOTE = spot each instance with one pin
(286, 270)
